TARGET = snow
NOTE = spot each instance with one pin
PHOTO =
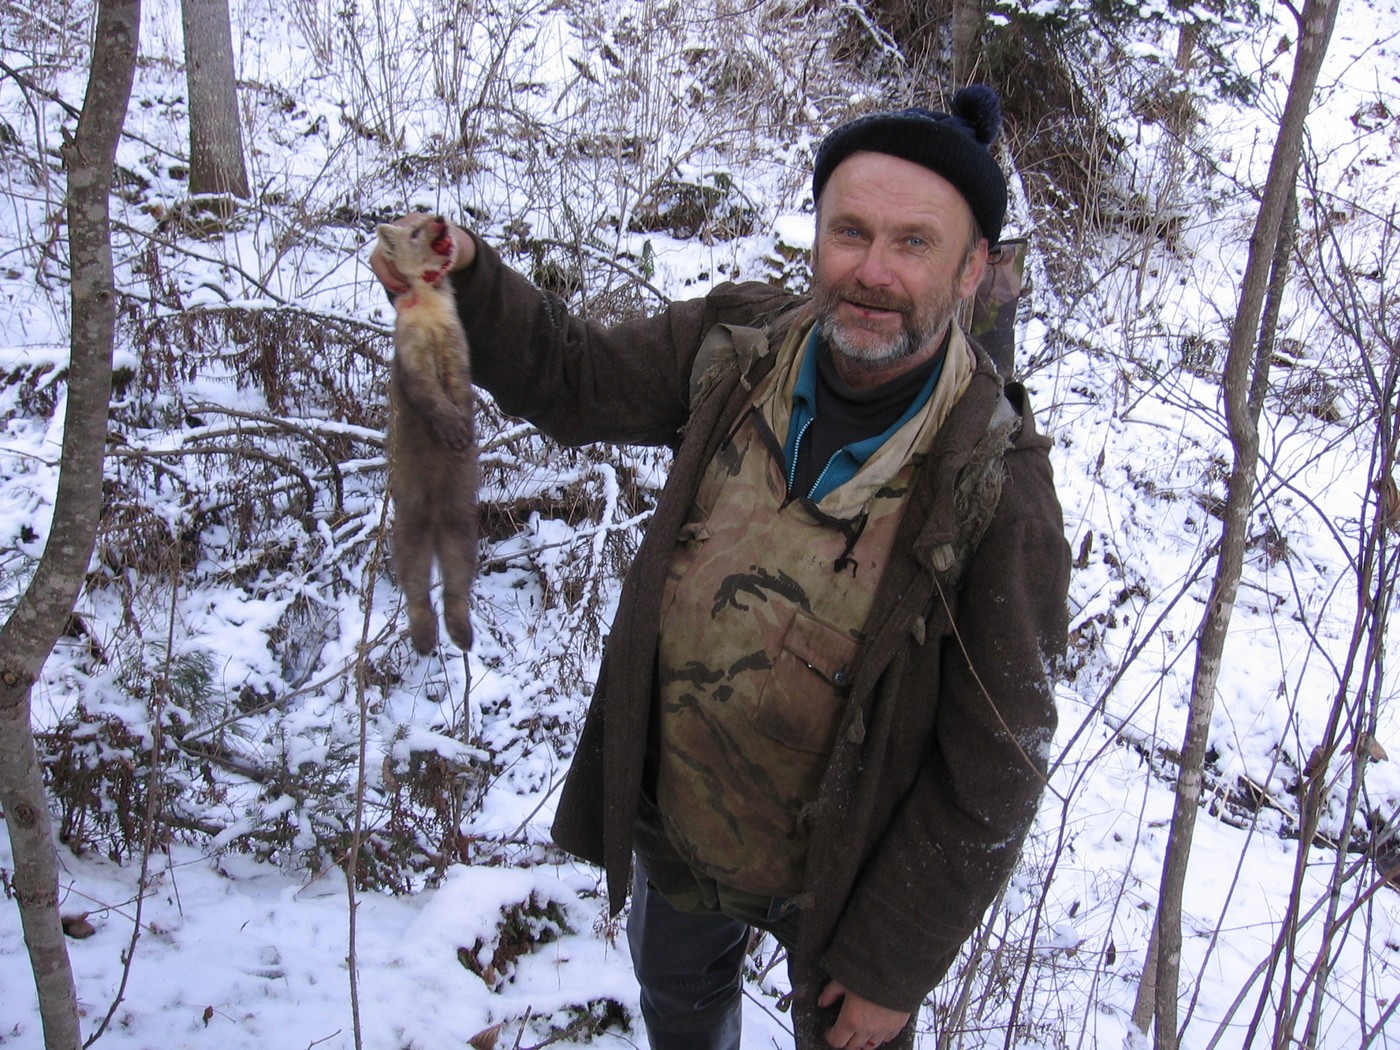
(476, 110)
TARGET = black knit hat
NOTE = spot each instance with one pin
(954, 145)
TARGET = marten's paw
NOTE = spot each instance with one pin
(455, 433)
(459, 623)
(422, 627)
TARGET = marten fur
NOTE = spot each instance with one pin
(432, 445)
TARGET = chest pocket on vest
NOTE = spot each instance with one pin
(802, 700)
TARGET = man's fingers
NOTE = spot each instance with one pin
(389, 277)
(861, 1024)
(465, 253)
(843, 1038)
(831, 994)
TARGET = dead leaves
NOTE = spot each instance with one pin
(77, 926)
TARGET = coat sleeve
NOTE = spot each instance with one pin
(580, 381)
(958, 832)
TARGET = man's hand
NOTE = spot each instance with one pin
(861, 1025)
(465, 254)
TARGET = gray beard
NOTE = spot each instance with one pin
(911, 339)
(896, 349)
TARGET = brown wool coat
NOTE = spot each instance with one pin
(941, 759)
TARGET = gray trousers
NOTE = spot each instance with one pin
(690, 967)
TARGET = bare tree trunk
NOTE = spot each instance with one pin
(1315, 27)
(1273, 305)
(37, 622)
(1145, 1005)
(967, 19)
(216, 132)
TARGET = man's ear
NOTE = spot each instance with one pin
(973, 268)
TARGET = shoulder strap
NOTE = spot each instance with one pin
(725, 347)
(729, 347)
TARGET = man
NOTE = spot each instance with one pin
(805, 720)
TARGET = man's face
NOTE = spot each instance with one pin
(890, 263)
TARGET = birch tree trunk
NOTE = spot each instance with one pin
(216, 132)
(1315, 32)
(37, 622)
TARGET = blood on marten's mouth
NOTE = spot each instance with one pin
(442, 243)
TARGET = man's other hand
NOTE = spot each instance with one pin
(464, 254)
(861, 1025)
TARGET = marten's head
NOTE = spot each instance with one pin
(422, 251)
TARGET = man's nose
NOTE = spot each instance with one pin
(874, 270)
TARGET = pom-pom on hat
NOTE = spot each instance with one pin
(954, 145)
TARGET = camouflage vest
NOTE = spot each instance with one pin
(762, 619)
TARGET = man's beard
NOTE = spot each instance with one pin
(920, 327)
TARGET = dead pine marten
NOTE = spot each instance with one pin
(432, 446)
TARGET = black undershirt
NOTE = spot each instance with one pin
(845, 415)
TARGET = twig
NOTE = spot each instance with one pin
(598, 256)
(567, 1032)
(574, 537)
(153, 794)
(28, 85)
(525, 1020)
(1379, 1027)
(262, 709)
(554, 786)
(361, 775)
(782, 1023)
(246, 452)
